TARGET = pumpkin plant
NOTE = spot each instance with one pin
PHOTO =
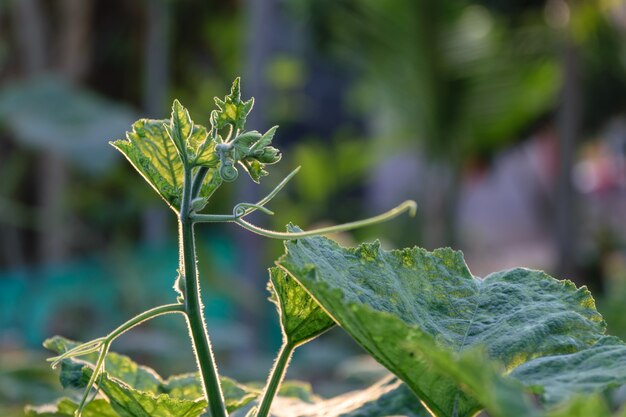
(515, 343)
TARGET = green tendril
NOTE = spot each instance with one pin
(408, 206)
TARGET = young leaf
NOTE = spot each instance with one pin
(408, 307)
(232, 110)
(201, 148)
(150, 150)
(301, 318)
(180, 128)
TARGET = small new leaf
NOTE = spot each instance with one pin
(232, 110)
(180, 128)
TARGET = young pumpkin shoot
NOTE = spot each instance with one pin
(457, 344)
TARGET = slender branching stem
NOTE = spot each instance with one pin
(146, 315)
(92, 380)
(274, 192)
(96, 344)
(275, 379)
(194, 308)
(409, 206)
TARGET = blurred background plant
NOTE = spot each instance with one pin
(504, 120)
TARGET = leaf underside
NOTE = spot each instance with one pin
(301, 318)
(427, 319)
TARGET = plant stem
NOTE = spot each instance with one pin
(275, 378)
(194, 309)
(96, 344)
(146, 315)
(92, 380)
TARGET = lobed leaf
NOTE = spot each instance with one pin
(160, 149)
(232, 111)
(425, 317)
(301, 318)
(151, 151)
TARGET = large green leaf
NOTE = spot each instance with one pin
(301, 318)
(419, 312)
(590, 370)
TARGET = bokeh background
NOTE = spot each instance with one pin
(505, 120)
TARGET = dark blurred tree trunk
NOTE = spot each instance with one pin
(261, 22)
(72, 47)
(30, 36)
(155, 89)
(568, 126)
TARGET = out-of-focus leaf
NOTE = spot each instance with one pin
(301, 318)
(66, 407)
(386, 398)
(582, 407)
(51, 114)
(415, 310)
(136, 390)
(116, 365)
(188, 386)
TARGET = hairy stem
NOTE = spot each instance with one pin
(194, 309)
(275, 378)
(198, 180)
